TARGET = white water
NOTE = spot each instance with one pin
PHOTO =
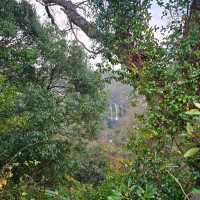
(116, 112)
(111, 112)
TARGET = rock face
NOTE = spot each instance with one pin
(119, 123)
(120, 114)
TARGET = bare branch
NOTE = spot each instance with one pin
(50, 15)
(70, 9)
(178, 182)
(82, 44)
(81, 3)
(44, 4)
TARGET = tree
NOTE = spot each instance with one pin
(115, 29)
(45, 112)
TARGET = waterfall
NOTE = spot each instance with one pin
(111, 112)
(113, 117)
(116, 112)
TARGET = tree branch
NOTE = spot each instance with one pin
(51, 78)
(82, 44)
(70, 9)
(50, 15)
(81, 3)
(178, 182)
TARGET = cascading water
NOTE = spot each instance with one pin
(111, 113)
(117, 103)
(116, 112)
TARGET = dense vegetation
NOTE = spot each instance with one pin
(45, 117)
(51, 103)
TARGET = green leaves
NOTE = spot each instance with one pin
(189, 129)
(7, 28)
(193, 112)
(50, 100)
(41, 111)
(191, 152)
(197, 105)
(146, 193)
(196, 191)
(115, 195)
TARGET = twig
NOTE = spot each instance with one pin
(78, 4)
(178, 146)
(72, 29)
(50, 15)
(178, 182)
(44, 3)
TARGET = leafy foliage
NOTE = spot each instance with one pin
(50, 102)
(169, 79)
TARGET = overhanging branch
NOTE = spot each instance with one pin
(70, 9)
